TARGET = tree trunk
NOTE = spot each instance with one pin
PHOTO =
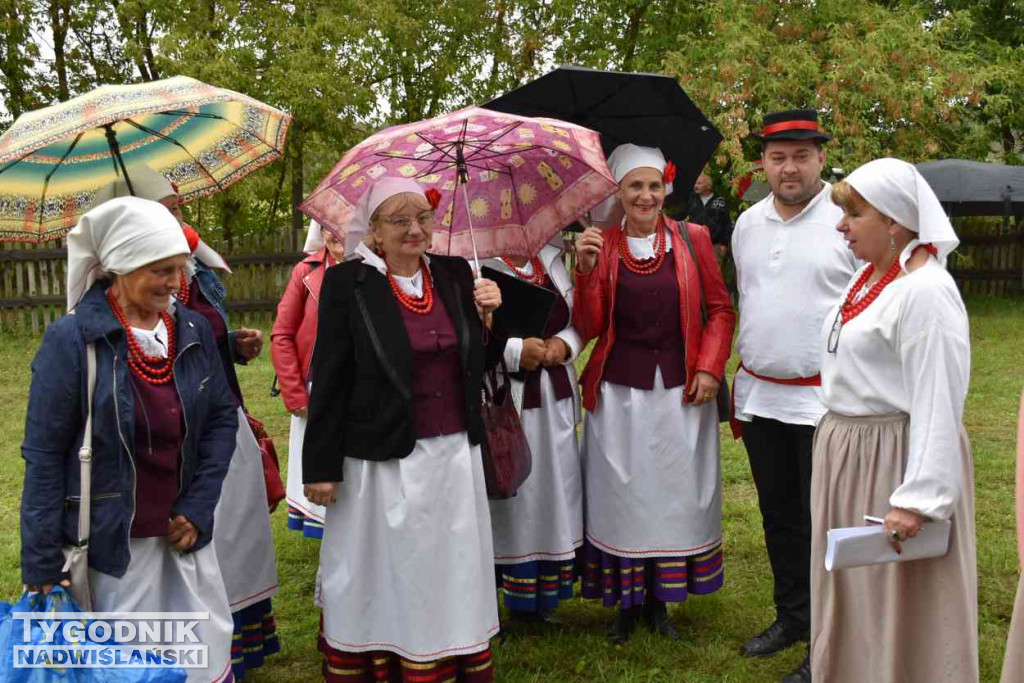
(126, 25)
(59, 11)
(636, 16)
(146, 43)
(295, 144)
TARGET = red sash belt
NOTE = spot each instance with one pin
(737, 425)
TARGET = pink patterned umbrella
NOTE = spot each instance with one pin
(508, 183)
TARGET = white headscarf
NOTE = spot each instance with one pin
(154, 186)
(314, 240)
(120, 236)
(898, 190)
(377, 194)
(621, 161)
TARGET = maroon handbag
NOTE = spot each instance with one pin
(271, 467)
(506, 453)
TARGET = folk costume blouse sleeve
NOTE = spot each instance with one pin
(936, 362)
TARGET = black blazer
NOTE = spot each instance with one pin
(361, 405)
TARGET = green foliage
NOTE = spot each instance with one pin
(916, 79)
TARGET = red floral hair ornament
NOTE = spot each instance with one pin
(434, 197)
(192, 237)
(669, 173)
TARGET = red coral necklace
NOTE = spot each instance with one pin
(646, 266)
(184, 292)
(851, 310)
(419, 305)
(536, 277)
(146, 367)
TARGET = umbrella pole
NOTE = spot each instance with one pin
(115, 149)
(472, 237)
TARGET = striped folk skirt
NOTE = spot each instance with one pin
(627, 581)
(901, 622)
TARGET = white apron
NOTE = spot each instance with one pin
(241, 528)
(544, 520)
(406, 561)
(160, 579)
(652, 473)
(294, 488)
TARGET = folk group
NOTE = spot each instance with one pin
(849, 399)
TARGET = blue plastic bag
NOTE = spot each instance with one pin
(12, 635)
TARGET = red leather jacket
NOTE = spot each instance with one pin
(294, 332)
(707, 349)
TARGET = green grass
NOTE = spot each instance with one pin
(712, 627)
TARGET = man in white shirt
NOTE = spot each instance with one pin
(792, 266)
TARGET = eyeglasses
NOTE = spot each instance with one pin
(425, 220)
(837, 327)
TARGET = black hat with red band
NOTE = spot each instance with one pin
(794, 124)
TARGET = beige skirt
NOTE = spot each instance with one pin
(1013, 663)
(909, 622)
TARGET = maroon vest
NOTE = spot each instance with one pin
(159, 435)
(648, 329)
(558, 320)
(439, 398)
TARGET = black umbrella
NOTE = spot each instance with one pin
(972, 188)
(645, 109)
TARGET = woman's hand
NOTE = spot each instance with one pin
(302, 412)
(532, 354)
(487, 298)
(321, 493)
(588, 248)
(47, 587)
(906, 524)
(248, 343)
(703, 388)
(556, 350)
(182, 533)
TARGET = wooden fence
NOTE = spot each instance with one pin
(32, 277)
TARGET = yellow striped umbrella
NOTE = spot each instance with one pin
(201, 137)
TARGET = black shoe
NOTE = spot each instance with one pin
(801, 674)
(623, 627)
(775, 638)
(656, 618)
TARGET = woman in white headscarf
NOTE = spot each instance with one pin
(244, 542)
(291, 350)
(651, 460)
(537, 531)
(895, 369)
(392, 450)
(163, 431)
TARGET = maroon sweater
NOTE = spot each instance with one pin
(647, 329)
(159, 435)
(439, 397)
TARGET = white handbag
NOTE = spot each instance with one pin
(76, 555)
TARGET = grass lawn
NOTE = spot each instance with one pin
(712, 627)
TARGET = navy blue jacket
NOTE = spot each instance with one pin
(55, 424)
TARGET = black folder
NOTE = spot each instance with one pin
(524, 306)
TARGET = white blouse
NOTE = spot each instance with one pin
(909, 351)
(153, 342)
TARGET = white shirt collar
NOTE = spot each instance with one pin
(770, 212)
(410, 285)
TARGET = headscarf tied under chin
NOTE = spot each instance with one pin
(120, 236)
(898, 190)
(377, 194)
(621, 161)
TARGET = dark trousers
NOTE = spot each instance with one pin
(780, 461)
